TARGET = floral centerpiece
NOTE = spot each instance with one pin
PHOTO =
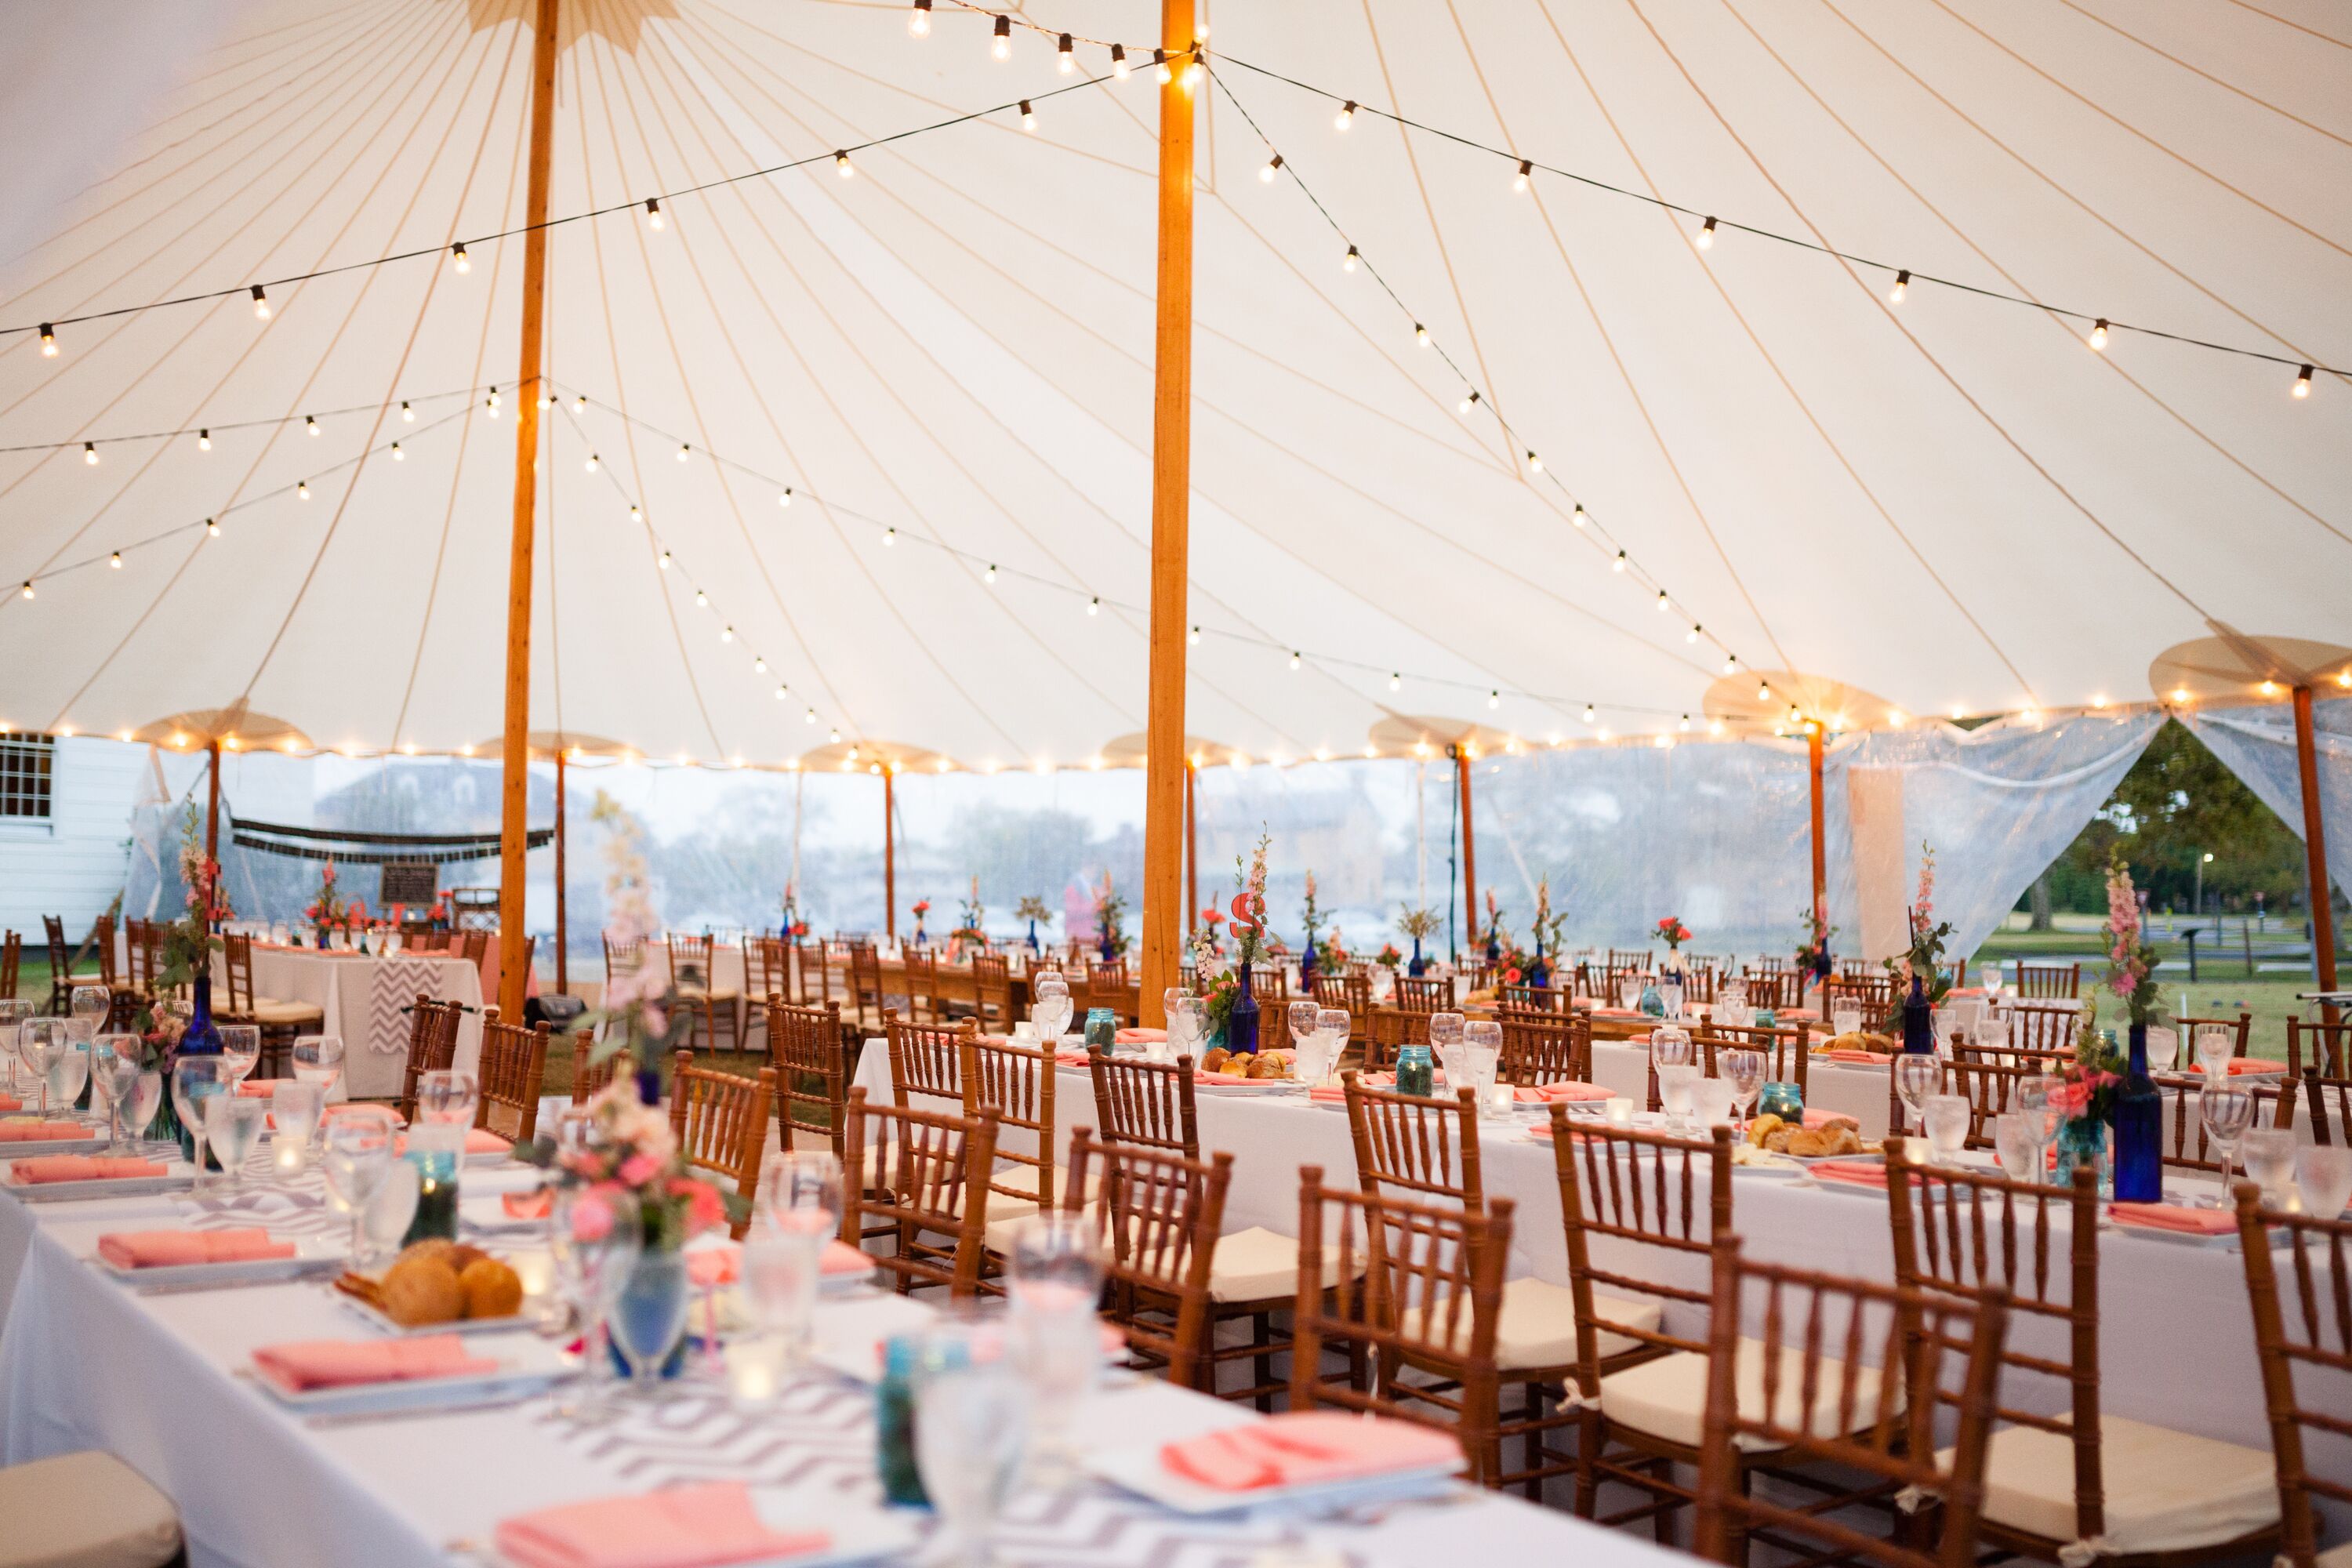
(1111, 916)
(921, 906)
(2084, 1097)
(326, 909)
(1226, 982)
(2131, 958)
(1814, 952)
(1544, 931)
(1494, 928)
(184, 959)
(1312, 958)
(795, 927)
(1388, 957)
(2139, 1110)
(970, 917)
(1419, 924)
(1033, 908)
(1922, 961)
(637, 1014)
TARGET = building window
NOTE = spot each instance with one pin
(26, 761)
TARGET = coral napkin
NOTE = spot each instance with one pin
(1070, 1058)
(699, 1526)
(1305, 1448)
(10, 1102)
(724, 1265)
(1816, 1119)
(1568, 1090)
(1861, 1173)
(39, 1131)
(172, 1248)
(260, 1088)
(349, 1363)
(2241, 1066)
(478, 1141)
(1142, 1037)
(79, 1168)
(1870, 1059)
(1216, 1077)
(2171, 1216)
(356, 1107)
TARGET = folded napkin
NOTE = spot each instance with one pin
(359, 1108)
(260, 1088)
(1619, 1013)
(2241, 1066)
(1567, 1090)
(1329, 1094)
(173, 1248)
(713, 1265)
(1305, 1448)
(478, 1141)
(10, 1102)
(1867, 1059)
(1142, 1037)
(79, 1168)
(1861, 1173)
(538, 1203)
(349, 1363)
(1816, 1119)
(31, 1129)
(1070, 1059)
(1799, 1014)
(1217, 1078)
(699, 1526)
(2171, 1216)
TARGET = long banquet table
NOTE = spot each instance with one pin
(155, 1379)
(2177, 1344)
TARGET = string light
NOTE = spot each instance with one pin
(1193, 72)
(302, 488)
(842, 163)
(1618, 563)
(1902, 282)
(1160, 59)
(115, 561)
(785, 499)
(89, 453)
(48, 340)
(1468, 399)
(1118, 66)
(1588, 713)
(1420, 334)
(809, 717)
(1396, 680)
(1348, 262)
(701, 600)
(1535, 464)
(458, 258)
(591, 464)
(261, 303)
(407, 414)
(1730, 664)
(28, 588)
(889, 537)
(664, 561)
(1580, 516)
(1272, 168)
(727, 634)
(1028, 118)
(490, 404)
(653, 212)
(1693, 634)
(683, 451)
(397, 455)
(989, 576)
(2302, 382)
(1763, 692)
(212, 527)
(1493, 699)
(1192, 639)
(782, 692)
(1685, 725)
(1662, 601)
(636, 514)
(1519, 185)
(1706, 234)
(1340, 121)
(918, 21)
(2099, 333)
(580, 405)
(1067, 61)
(1002, 48)
(1294, 659)
(310, 425)
(1094, 605)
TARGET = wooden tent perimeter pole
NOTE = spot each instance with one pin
(1191, 851)
(1171, 458)
(515, 755)
(889, 853)
(1821, 841)
(212, 805)
(562, 964)
(2314, 844)
(1469, 850)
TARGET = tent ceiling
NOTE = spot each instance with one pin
(1951, 502)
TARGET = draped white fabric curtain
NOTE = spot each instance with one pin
(2258, 745)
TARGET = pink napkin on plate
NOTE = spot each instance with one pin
(698, 1526)
(1327, 1094)
(1217, 1078)
(1142, 1037)
(1867, 1059)
(714, 1266)
(478, 1141)
(37, 1131)
(1816, 1119)
(2240, 1066)
(349, 1363)
(362, 1107)
(260, 1088)
(10, 1102)
(1861, 1173)
(2172, 1216)
(172, 1248)
(1305, 1448)
(43, 1168)
(1071, 1059)
(1567, 1090)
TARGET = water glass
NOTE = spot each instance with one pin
(86, 1013)
(1671, 1048)
(1302, 1014)
(1670, 997)
(1444, 1029)
(804, 1195)
(2227, 1113)
(358, 1160)
(2216, 1044)
(295, 1108)
(393, 1209)
(2017, 1140)
(1845, 1020)
(1917, 1075)
(1481, 1054)
(1947, 1116)
(68, 1071)
(1677, 1086)
(318, 1059)
(14, 1011)
(1743, 1070)
(1629, 991)
(241, 1048)
(448, 1095)
(1713, 1100)
(1049, 1005)
(113, 1068)
(2323, 1175)
(594, 1254)
(1188, 1031)
(1989, 978)
(141, 1102)
(39, 1042)
(2270, 1163)
(2163, 1047)
(780, 1274)
(971, 1428)
(1054, 1283)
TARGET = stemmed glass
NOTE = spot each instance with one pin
(1481, 1054)
(970, 1425)
(241, 1048)
(1188, 1025)
(595, 1254)
(1743, 1070)
(1989, 978)
(1629, 991)
(2163, 1047)
(114, 1068)
(1049, 1006)
(1333, 1024)
(87, 1013)
(2216, 1044)
(2041, 1116)
(1917, 1075)
(1054, 1281)
(233, 1125)
(1444, 1031)
(1946, 1118)
(2270, 1162)
(318, 1059)
(2227, 1112)
(36, 1040)
(14, 1011)
(1302, 1014)
(65, 1068)
(195, 1079)
(447, 1096)
(358, 1159)
(1845, 1020)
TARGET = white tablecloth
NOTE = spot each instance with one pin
(154, 1380)
(361, 996)
(2177, 1344)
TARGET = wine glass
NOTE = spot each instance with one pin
(143, 1100)
(1049, 1006)
(2323, 1174)
(2033, 1099)
(971, 1426)
(1629, 991)
(86, 1013)
(241, 1048)
(113, 1069)
(68, 1071)
(14, 1011)
(1444, 1029)
(2017, 1142)
(1671, 1047)
(594, 1253)
(1845, 1020)
(1917, 1075)
(41, 1042)
(2163, 1048)
(805, 1193)
(1188, 1025)
(1946, 1118)
(448, 1095)
(1677, 1090)
(1988, 976)
(1743, 1070)
(318, 1059)
(1055, 1282)
(2216, 1044)
(1481, 1054)
(233, 1124)
(358, 1159)
(1302, 1014)
(2270, 1162)
(2227, 1113)
(195, 1079)
(1333, 1024)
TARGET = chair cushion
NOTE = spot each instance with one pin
(2166, 1490)
(1667, 1397)
(88, 1509)
(271, 1012)
(1024, 1179)
(1258, 1265)
(1539, 1325)
(2335, 1557)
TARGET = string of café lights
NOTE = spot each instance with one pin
(1524, 168)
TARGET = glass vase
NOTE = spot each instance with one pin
(648, 1322)
(2140, 1129)
(2081, 1144)
(1241, 1021)
(1420, 965)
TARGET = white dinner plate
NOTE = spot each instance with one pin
(177, 1178)
(860, 1533)
(312, 1253)
(525, 1366)
(1253, 1086)
(1139, 1470)
(96, 1144)
(525, 1319)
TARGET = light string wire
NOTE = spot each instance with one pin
(1714, 223)
(199, 427)
(257, 288)
(1584, 521)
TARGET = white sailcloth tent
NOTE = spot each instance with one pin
(943, 363)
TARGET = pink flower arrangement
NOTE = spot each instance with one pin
(629, 1168)
(2131, 959)
(1671, 931)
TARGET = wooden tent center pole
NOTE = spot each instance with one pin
(2314, 846)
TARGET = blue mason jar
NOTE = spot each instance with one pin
(1415, 1073)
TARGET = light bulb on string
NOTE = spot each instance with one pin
(1340, 121)
(1618, 563)
(2099, 333)
(1730, 665)
(1420, 334)
(1706, 234)
(918, 20)
(48, 340)
(212, 527)
(1348, 262)
(1685, 725)
(636, 514)
(1002, 48)
(580, 403)
(1160, 59)
(310, 425)
(260, 304)
(458, 258)
(1396, 680)
(809, 717)
(1192, 637)
(701, 600)
(1065, 59)
(407, 414)
(785, 499)
(1118, 66)
(1194, 71)
(1094, 605)
(1692, 635)
(397, 455)
(115, 561)
(841, 164)
(727, 634)
(1493, 699)
(490, 404)
(1468, 399)
(834, 735)
(1535, 464)
(1763, 692)
(653, 212)
(1294, 659)
(1662, 601)
(1579, 516)
(1028, 118)
(28, 589)
(1272, 168)
(89, 453)
(302, 488)
(1902, 283)
(683, 451)
(591, 464)
(989, 576)
(664, 561)
(1588, 713)
(2302, 382)
(1519, 183)
(889, 537)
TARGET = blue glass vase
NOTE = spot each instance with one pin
(1420, 965)
(2140, 1129)
(648, 1322)
(1033, 936)
(1918, 1020)
(1241, 1020)
(203, 1038)
(1307, 966)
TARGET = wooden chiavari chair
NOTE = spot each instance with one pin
(2306, 1380)
(1951, 1353)
(589, 1076)
(804, 1047)
(143, 950)
(697, 990)
(1423, 1147)
(1145, 1103)
(1651, 1205)
(920, 967)
(2242, 1029)
(2170, 1498)
(767, 965)
(1388, 1031)
(476, 946)
(1991, 1088)
(2327, 1046)
(812, 974)
(1105, 975)
(1700, 981)
(2324, 1099)
(1637, 959)
(12, 961)
(2185, 1147)
(1473, 974)
(1417, 1285)
(1785, 1050)
(513, 1068)
(720, 1120)
(1270, 984)
(2046, 981)
(1876, 997)
(62, 961)
(992, 990)
(1157, 1219)
(1531, 999)
(917, 1173)
(866, 998)
(927, 1059)
(280, 1022)
(1779, 989)
(1015, 1084)
(1425, 993)
(2047, 1029)
(1545, 1047)
(432, 1045)
(1350, 993)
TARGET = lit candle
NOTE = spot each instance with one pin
(1621, 1111)
(289, 1156)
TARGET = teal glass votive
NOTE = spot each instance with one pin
(1785, 1101)
(1102, 1028)
(1415, 1073)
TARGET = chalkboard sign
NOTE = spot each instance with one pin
(411, 882)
